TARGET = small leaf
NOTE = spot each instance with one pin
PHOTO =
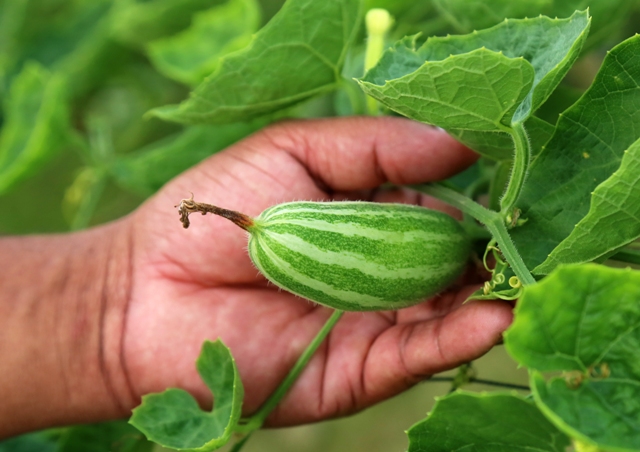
(148, 169)
(585, 150)
(584, 320)
(485, 422)
(36, 124)
(616, 201)
(174, 419)
(193, 54)
(297, 55)
(478, 84)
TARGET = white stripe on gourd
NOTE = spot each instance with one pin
(354, 256)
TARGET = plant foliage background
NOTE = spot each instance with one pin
(96, 116)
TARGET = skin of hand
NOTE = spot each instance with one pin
(162, 290)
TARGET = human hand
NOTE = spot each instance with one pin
(197, 284)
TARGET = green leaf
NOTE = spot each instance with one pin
(499, 146)
(193, 54)
(36, 124)
(465, 16)
(485, 422)
(116, 436)
(478, 84)
(586, 149)
(174, 419)
(69, 36)
(469, 15)
(31, 442)
(584, 320)
(612, 222)
(148, 169)
(138, 22)
(297, 55)
(609, 17)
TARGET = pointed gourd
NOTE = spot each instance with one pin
(352, 256)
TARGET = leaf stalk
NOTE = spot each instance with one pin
(493, 221)
(521, 160)
(256, 421)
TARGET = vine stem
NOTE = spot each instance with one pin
(480, 381)
(256, 421)
(494, 221)
(521, 160)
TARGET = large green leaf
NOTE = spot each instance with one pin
(297, 55)
(479, 84)
(584, 320)
(613, 219)
(174, 419)
(36, 124)
(586, 149)
(193, 54)
(115, 436)
(148, 169)
(485, 422)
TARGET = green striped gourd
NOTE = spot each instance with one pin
(353, 256)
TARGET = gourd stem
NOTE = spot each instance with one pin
(256, 421)
(521, 159)
(492, 220)
(189, 206)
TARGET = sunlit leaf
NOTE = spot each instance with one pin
(174, 419)
(584, 320)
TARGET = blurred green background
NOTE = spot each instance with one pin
(78, 76)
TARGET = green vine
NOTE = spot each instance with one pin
(494, 222)
(256, 421)
(521, 159)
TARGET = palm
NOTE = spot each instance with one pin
(197, 284)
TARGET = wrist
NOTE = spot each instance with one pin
(63, 301)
